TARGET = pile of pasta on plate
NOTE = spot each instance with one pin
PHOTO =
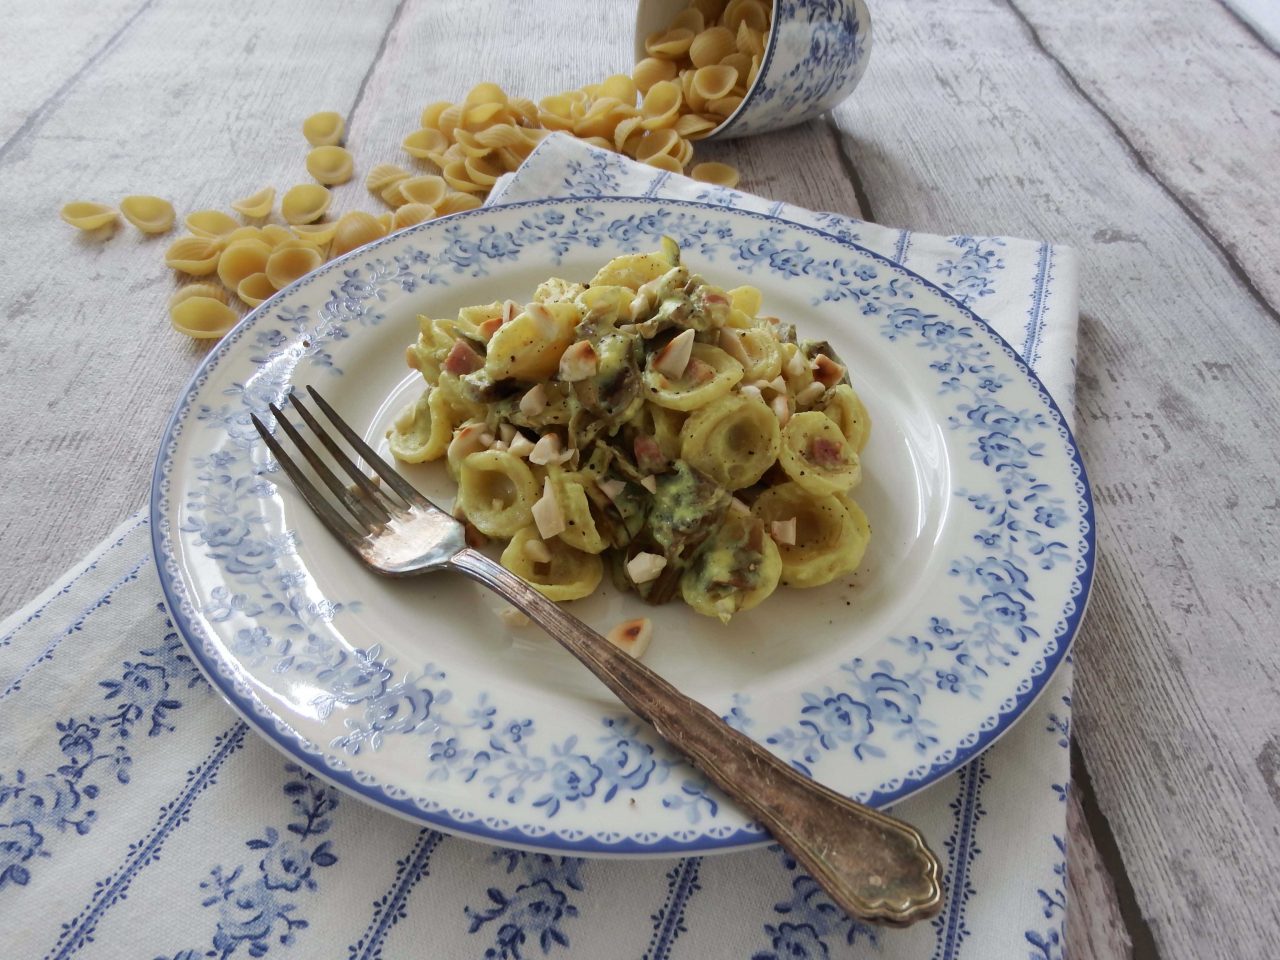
(649, 420)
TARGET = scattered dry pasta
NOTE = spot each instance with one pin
(305, 203)
(256, 205)
(330, 165)
(148, 214)
(323, 129)
(204, 318)
(87, 215)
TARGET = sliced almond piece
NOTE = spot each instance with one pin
(644, 567)
(579, 362)
(810, 394)
(535, 401)
(611, 488)
(650, 483)
(520, 445)
(738, 505)
(784, 531)
(538, 551)
(781, 408)
(731, 343)
(796, 365)
(547, 515)
(751, 391)
(546, 450)
(506, 433)
(633, 636)
(826, 371)
(672, 359)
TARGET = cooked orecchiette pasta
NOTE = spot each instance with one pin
(148, 214)
(648, 419)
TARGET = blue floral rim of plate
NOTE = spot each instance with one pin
(641, 229)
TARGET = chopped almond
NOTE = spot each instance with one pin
(826, 371)
(784, 531)
(546, 450)
(796, 365)
(535, 401)
(513, 617)
(611, 488)
(579, 362)
(778, 385)
(781, 408)
(644, 567)
(542, 319)
(632, 636)
(751, 392)
(506, 432)
(467, 439)
(547, 515)
(487, 329)
(672, 359)
(509, 311)
(810, 394)
(738, 505)
(462, 359)
(699, 372)
(650, 483)
(520, 445)
(537, 551)
(731, 343)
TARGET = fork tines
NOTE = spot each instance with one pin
(370, 506)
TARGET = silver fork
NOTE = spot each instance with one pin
(873, 866)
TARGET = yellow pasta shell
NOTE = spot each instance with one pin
(385, 220)
(651, 70)
(483, 93)
(355, 229)
(570, 575)
(691, 19)
(323, 129)
(750, 13)
(750, 41)
(255, 289)
(710, 9)
(473, 118)
(425, 142)
(721, 174)
(660, 105)
(412, 213)
(203, 318)
(383, 175)
(244, 233)
(724, 106)
(242, 258)
(620, 87)
(197, 290)
(392, 196)
(431, 113)
(692, 100)
(665, 161)
(256, 204)
(496, 491)
(655, 142)
(481, 172)
(846, 410)
(711, 46)
(274, 234)
(501, 135)
(428, 189)
(712, 83)
(318, 234)
(830, 536)
(694, 127)
(733, 440)
(627, 134)
(458, 177)
(87, 215)
(330, 165)
(211, 223)
(524, 109)
(288, 262)
(457, 202)
(197, 256)
(795, 456)
(449, 119)
(305, 203)
(669, 44)
(148, 214)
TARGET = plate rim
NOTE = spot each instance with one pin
(293, 744)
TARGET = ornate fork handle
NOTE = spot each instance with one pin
(873, 866)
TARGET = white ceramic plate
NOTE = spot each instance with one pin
(414, 694)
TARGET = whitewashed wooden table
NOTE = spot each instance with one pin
(1146, 135)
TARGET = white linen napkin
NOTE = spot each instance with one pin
(139, 817)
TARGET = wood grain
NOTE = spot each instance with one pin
(1095, 928)
(89, 367)
(1201, 129)
(1177, 698)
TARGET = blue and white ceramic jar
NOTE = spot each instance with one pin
(815, 54)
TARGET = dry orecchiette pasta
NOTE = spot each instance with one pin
(197, 256)
(211, 223)
(197, 290)
(331, 165)
(323, 129)
(204, 318)
(305, 203)
(291, 260)
(355, 229)
(148, 214)
(255, 289)
(242, 259)
(87, 215)
(257, 204)
(601, 426)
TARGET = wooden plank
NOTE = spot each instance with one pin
(1095, 928)
(197, 108)
(1262, 16)
(1203, 128)
(964, 124)
(47, 48)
